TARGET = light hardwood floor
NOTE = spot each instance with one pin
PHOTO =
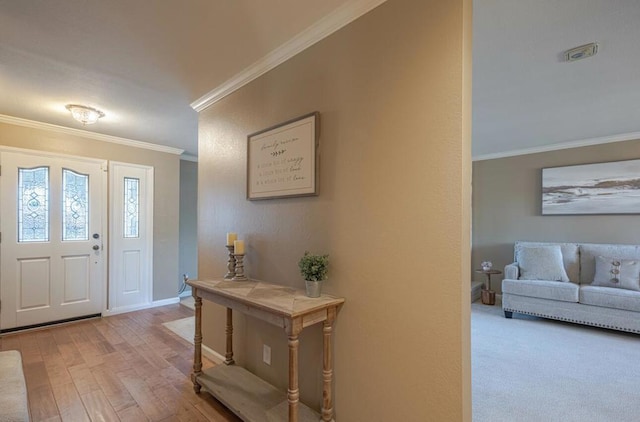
(126, 367)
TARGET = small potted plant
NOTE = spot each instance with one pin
(314, 269)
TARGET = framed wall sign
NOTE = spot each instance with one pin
(602, 188)
(281, 160)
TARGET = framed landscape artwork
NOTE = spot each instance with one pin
(603, 188)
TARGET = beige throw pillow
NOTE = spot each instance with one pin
(619, 273)
(542, 263)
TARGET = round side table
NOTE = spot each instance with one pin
(487, 295)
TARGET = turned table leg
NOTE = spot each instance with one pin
(229, 355)
(327, 366)
(197, 342)
(293, 393)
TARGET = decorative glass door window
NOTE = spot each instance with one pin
(131, 207)
(33, 204)
(75, 208)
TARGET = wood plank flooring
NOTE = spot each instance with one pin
(125, 367)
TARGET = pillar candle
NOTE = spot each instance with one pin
(238, 247)
(231, 237)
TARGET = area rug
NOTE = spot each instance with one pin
(532, 369)
(184, 327)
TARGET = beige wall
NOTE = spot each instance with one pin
(507, 204)
(393, 211)
(165, 231)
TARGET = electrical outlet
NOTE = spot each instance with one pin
(266, 354)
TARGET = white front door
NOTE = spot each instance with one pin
(52, 218)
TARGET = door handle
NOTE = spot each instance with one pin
(96, 247)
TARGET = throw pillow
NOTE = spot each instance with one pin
(615, 272)
(542, 263)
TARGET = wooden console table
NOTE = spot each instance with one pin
(248, 396)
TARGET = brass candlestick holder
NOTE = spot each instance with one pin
(239, 276)
(231, 264)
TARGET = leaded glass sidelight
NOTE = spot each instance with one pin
(131, 206)
(33, 204)
(75, 207)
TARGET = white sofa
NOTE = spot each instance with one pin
(588, 288)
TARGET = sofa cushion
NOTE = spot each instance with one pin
(615, 272)
(541, 263)
(607, 297)
(565, 292)
(589, 252)
(570, 256)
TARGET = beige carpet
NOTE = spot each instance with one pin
(529, 369)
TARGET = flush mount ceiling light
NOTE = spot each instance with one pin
(83, 114)
(581, 52)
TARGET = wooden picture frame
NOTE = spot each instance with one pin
(601, 188)
(282, 159)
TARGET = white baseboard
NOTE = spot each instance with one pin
(154, 304)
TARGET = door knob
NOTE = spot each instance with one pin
(96, 236)
(96, 247)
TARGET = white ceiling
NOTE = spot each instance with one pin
(141, 62)
(144, 62)
(526, 97)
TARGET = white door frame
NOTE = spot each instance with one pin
(104, 204)
(147, 203)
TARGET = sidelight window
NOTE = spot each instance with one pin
(131, 207)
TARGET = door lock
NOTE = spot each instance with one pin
(96, 247)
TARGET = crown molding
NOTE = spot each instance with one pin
(189, 157)
(565, 145)
(326, 26)
(86, 134)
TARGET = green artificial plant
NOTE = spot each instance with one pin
(314, 267)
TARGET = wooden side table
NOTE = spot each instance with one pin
(488, 296)
(249, 397)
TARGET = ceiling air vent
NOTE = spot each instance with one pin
(581, 52)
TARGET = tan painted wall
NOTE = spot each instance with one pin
(393, 212)
(507, 204)
(167, 167)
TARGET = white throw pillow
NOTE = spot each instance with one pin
(542, 263)
(615, 272)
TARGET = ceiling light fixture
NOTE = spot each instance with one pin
(83, 114)
(581, 52)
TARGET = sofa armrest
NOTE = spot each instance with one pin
(511, 271)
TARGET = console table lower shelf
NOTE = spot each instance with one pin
(251, 398)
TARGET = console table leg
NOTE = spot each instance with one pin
(327, 366)
(197, 342)
(229, 355)
(293, 393)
